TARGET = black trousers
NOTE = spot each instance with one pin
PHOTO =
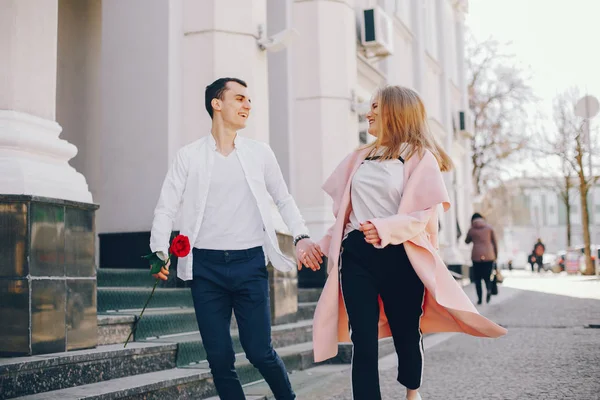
(366, 274)
(482, 270)
(236, 280)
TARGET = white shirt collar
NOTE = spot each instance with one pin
(213, 142)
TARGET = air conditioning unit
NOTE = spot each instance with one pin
(376, 32)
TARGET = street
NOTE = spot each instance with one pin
(551, 351)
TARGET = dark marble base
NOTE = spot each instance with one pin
(47, 275)
(30, 375)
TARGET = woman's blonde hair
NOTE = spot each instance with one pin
(403, 129)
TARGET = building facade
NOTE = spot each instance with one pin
(526, 209)
(97, 96)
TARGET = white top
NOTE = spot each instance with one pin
(231, 217)
(185, 192)
(375, 192)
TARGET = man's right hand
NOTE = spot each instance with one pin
(164, 272)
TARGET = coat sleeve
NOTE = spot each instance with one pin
(399, 228)
(425, 190)
(468, 239)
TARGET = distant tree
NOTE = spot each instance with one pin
(498, 97)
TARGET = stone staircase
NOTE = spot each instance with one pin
(166, 360)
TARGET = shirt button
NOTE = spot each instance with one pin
(226, 253)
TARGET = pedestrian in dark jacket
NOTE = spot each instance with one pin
(537, 255)
(483, 255)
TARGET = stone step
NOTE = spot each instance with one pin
(306, 310)
(176, 383)
(165, 321)
(190, 349)
(168, 321)
(194, 382)
(35, 374)
(111, 277)
(125, 298)
(308, 295)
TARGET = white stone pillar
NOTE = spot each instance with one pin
(324, 128)
(220, 41)
(450, 253)
(137, 142)
(33, 159)
(460, 11)
(281, 96)
(419, 27)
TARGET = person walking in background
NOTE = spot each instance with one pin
(537, 255)
(386, 277)
(483, 255)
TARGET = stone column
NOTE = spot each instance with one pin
(419, 45)
(220, 40)
(325, 129)
(450, 254)
(47, 270)
(460, 11)
(33, 159)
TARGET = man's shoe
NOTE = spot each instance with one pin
(488, 298)
(479, 302)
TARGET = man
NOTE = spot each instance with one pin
(221, 183)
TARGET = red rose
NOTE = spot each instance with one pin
(180, 246)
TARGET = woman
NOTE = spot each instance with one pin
(483, 255)
(384, 242)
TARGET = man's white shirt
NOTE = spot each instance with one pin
(194, 186)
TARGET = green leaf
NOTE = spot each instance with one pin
(155, 262)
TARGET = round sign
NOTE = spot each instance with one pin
(587, 107)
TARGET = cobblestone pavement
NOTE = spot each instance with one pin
(549, 353)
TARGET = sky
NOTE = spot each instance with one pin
(558, 41)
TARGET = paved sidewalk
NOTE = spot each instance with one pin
(549, 352)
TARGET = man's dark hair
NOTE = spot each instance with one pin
(476, 216)
(215, 91)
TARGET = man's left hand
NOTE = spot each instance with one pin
(309, 253)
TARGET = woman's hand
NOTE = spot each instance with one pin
(370, 232)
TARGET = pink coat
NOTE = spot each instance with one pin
(446, 307)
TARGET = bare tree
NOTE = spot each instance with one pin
(574, 151)
(551, 150)
(498, 96)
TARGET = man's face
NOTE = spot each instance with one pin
(235, 106)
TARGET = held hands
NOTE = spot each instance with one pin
(309, 253)
(164, 272)
(370, 232)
